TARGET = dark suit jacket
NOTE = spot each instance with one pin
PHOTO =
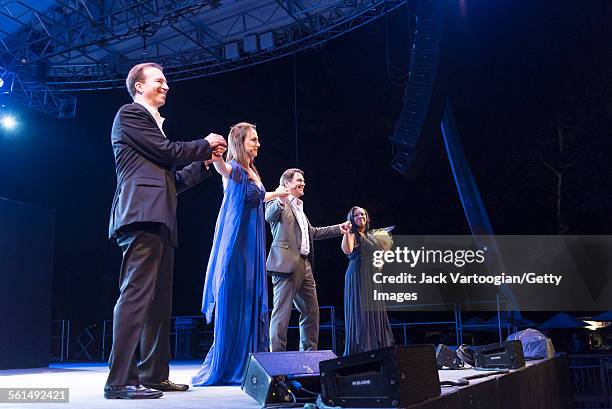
(145, 161)
(287, 237)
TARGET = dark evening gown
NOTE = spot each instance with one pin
(235, 285)
(365, 321)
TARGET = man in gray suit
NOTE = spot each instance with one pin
(290, 263)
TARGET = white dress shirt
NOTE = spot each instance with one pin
(298, 209)
(156, 115)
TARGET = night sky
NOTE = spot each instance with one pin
(518, 70)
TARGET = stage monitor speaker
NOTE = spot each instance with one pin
(279, 377)
(447, 358)
(502, 355)
(389, 377)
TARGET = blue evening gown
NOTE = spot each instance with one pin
(235, 285)
(366, 323)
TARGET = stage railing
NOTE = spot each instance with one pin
(189, 330)
(403, 326)
(182, 330)
(501, 325)
(60, 340)
(191, 337)
(86, 344)
(331, 326)
(592, 380)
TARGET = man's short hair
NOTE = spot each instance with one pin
(136, 75)
(287, 175)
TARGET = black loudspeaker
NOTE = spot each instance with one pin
(26, 267)
(426, 86)
(284, 377)
(447, 358)
(503, 355)
(390, 377)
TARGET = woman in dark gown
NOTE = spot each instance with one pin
(365, 320)
(235, 286)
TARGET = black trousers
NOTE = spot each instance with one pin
(142, 313)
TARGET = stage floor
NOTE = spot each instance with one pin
(86, 383)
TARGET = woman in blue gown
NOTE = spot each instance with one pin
(235, 286)
(365, 321)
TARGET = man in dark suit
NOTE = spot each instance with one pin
(143, 221)
(290, 263)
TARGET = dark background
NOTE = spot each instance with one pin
(519, 70)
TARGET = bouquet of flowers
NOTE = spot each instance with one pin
(382, 237)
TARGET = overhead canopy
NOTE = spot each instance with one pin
(604, 316)
(64, 45)
(562, 321)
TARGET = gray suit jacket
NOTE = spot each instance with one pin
(287, 237)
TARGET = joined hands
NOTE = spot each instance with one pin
(345, 228)
(216, 141)
(218, 145)
(282, 193)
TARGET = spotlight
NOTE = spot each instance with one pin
(1, 82)
(8, 122)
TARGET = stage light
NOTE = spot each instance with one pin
(8, 122)
(1, 82)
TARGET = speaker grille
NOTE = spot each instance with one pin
(418, 372)
(264, 378)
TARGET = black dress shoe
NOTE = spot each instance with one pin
(167, 386)
(130, 392)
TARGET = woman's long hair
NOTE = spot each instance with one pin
(235, 145)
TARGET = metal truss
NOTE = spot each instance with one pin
(91, 44)
(296, 37)
(37, 96)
